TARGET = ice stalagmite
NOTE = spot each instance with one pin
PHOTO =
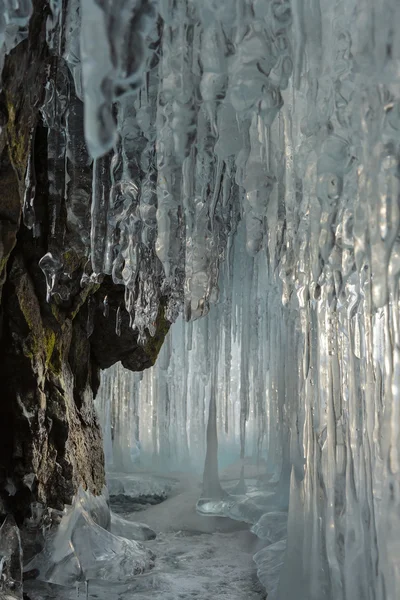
(211, 484)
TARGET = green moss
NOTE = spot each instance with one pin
(49, 340)
(71, 260)
(41, 344)
(41, 340)
(18, 142)
(55, 364)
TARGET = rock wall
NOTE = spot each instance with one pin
(51, 349)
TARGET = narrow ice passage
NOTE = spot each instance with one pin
(210, 212)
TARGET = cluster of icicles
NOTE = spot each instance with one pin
(158, 117)
(160, 415)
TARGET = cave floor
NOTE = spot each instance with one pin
(198, 557)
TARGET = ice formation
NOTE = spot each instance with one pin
(283, 117)
(142, 409)
(10, 561)
(82, 547)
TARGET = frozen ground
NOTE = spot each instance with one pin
(199, 557)
(196, 557)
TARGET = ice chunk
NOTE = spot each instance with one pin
(239, 508)
(98, 507)
(82, 549)
(269, 561)
(131, 530)
(10, 560)
(272, 527)
(105, 556)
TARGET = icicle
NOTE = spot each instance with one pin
(221, 155)
(51, 267)
(90, 317)
(118, 321)
(99, 211)
(28, 208)
(106, 307)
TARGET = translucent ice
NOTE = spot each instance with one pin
(105, 556)
(139, 486)
(131, 530)
(82, 548)
(272, 526)
(269, 562)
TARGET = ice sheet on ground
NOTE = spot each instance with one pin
(99, 589)
(139, 485)
(258, 508)
(249, 507)
(178, 512)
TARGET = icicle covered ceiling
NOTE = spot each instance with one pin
(162, 135)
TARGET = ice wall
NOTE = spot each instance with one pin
(317, 190)
(159, 417)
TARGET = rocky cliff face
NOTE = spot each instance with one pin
(51, 349)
